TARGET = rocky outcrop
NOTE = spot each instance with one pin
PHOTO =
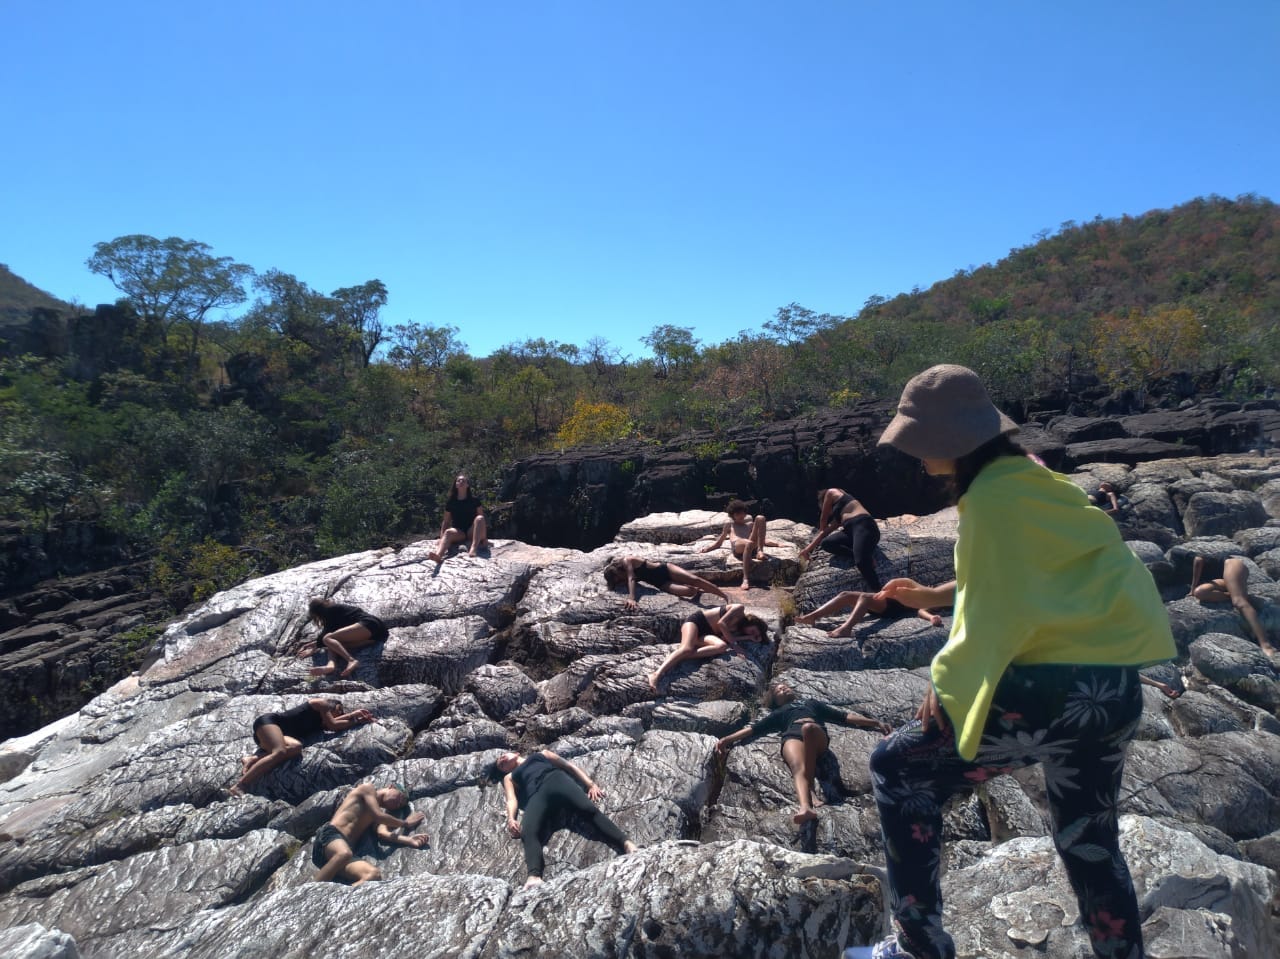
(582, 497)
(117, 837)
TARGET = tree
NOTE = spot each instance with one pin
(1134, 350)
(357, 309)
(674, 348)
(171, 281)
(423, 346)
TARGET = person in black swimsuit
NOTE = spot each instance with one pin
(1218, 580)
(667, 577)
(463, 518)
(710, 632)
(540, 784)
(804, 737)
(845, 527)
(279, 735)
(343, 627)
(861, 605)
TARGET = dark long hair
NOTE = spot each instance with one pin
(316, 608)
(453, 489)
(971, 464)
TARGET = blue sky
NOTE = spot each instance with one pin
(571, 169)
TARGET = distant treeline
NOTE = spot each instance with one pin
(311, 426)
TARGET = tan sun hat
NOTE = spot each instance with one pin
(945, 412)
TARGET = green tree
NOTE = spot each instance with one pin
(171, 281)
(356, 310)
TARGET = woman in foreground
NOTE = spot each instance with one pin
(541, 783)
(1049, 599)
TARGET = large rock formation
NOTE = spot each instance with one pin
(117, 837)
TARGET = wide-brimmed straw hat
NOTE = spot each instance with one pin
(945, 412)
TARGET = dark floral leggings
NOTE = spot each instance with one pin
(1077, 721)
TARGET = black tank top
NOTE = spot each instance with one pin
(300, 722)
(528, 776)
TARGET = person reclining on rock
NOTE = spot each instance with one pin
(1227, 581)
(667, 577)
(279, 735)
(1107, 500)
(711, 632)
(804, 737)
(343, 627)
(862, 605)
(364, 806)
(746, 535)
(540, 784)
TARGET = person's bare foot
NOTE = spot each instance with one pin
(804, 816)
(746, 584)
(839, 632)
(351, 668)
(533, 881)
(435, 557)
(653, 681)
(235, 792)
(322, 670)
(629, 847)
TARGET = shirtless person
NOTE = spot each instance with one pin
(862, 605)
(362, 807)
(746, 535)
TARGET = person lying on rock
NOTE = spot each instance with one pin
(1107, 500)
(667, 577)
(541, 784)
(333, 849)
(861, 605)
(463, 520)
(804, 738)
(711, 632)
(1054, 617)
(279, 735)
(746, 535)
(1226, 580)
(846, 528)
(343, 627)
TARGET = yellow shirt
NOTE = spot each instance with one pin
(1041, 577)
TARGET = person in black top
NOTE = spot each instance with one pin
(343, 627)
(667, 577)
(540, 784)
(804, 737)
(710, 632)
(861, 605)
(1215, 580)
(463, 520)
(279, 735)
(845, 527)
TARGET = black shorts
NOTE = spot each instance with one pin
(699, 619)
(796, 731)
(319, 850)
(376, 627)
(266, 719)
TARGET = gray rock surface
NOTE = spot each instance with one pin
(116, 838)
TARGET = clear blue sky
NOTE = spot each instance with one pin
(579, 169)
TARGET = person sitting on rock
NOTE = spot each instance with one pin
(746, 535)
(667, 577)
(279, 735)
(463, 520)
(541, 784)
(333, 849)
(861, 605)
(343, 627)
(711, 632)
(1226, 580)
(804, 738)
(846, 528)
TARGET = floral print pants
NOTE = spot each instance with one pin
(1076, 721)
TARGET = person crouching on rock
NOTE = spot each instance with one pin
(1216, 580)
(364, 806)
(667, 577)
(804, 738)
(540, 784)
(711, 632)
(343, 628)
(747, 538)
(279, 735)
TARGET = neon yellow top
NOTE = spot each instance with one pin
(1041, 577)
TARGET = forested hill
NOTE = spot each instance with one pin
(18, 298)
(309, 424)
